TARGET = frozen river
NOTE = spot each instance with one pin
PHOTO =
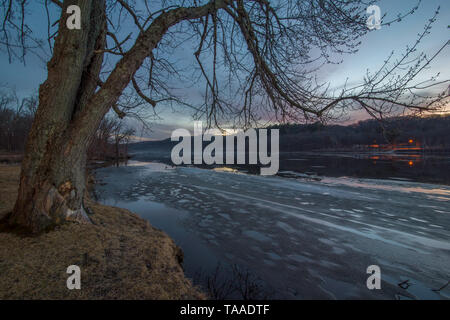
(301, 239)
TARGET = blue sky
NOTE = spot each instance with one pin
(375, 47)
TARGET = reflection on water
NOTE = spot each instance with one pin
(414, 167)
(392, 186)
(226, 169)
(419, 167)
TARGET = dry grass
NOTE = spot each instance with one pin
(10, 158)
(121, 257)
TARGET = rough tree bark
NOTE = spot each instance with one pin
(52, 182)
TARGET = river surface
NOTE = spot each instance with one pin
(294, 236)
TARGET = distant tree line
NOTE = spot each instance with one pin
(113, 136)
(111, 140)
(16, 116)
(432, 132)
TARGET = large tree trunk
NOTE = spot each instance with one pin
(52, 182)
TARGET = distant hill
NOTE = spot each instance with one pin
(429, 133)
(154, 145)
(151, 150)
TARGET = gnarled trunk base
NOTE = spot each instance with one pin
(45, 201)
(46, 208)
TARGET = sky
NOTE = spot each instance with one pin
(375, 47)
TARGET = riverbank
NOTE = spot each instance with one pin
(10, 157)
(121, 256)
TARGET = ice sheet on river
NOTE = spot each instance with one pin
(307, 239)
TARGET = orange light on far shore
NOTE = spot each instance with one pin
(411, 163)
(410, 140)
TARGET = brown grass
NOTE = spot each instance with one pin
(121, 256)
(10, 158)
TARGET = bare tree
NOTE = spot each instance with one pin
(16, 116)
(111, 140)
(252, 57)
(100, 147)
(121, 135)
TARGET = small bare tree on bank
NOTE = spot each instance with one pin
(121, 137)
(16, 116)
(252, 58)
(110, 141)
(101, 142)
